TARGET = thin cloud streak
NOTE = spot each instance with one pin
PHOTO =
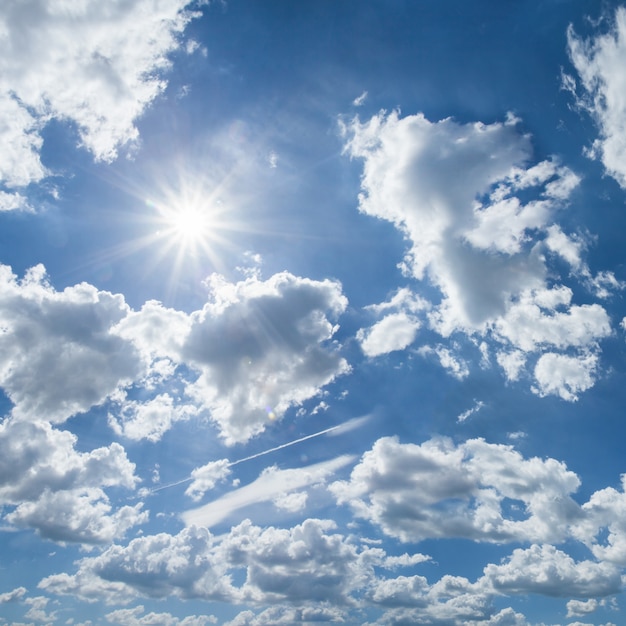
(339, 429)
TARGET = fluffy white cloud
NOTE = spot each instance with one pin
(95, 65)
(288, 616)
(136, 617)
(394, 332)
(476, 490)
(605, 514)
(576, 608)
(253, 351)
(398, 328)
(261, 347)
(206, 477)
(563, 375)
(535, 320)
(599, 62)
(58, 490)
(12, 596)
(59, 352)
(450, 361)
(149, 420)
(546, 570)
(446, 185)
(306, 563)
(79, 515)
(455, 191)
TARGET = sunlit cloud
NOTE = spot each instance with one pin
(271, 484)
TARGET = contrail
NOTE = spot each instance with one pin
(340, 428)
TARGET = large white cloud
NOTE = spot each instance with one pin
(261, 347)
(96, 65)
(304, 563)
(255, 349)
(59, 354)
(476, 490)
(313, 571)
(455, 191)
(600, 62)
(46, 484)
(549, 571)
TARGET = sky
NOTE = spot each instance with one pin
(312, 312)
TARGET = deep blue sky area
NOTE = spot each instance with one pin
(312, 312)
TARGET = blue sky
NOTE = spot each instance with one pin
(312, 312)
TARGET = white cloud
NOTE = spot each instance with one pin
(37, 610)
(576, 608)
(394, 332)
(261, 347)
(599, 62)
(605, 514)
(546, 570)
(95, 65)
(271, 484)
(57, 490)
(291, 502)
(512, 363)
(455, 191)
(478, 404)
(360, 100)
(563, 375)
(307, 563)
(59, 351)
(535, 321)
(427, 178)
(476, 490)
(79, 515)
(12, 596)
(455, 365)
(253, 351)
(136, 617)
(149, 420)
(287, 616)
(206, 477)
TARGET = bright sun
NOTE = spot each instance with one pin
(189, 224)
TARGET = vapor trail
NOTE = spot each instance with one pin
(341, 428)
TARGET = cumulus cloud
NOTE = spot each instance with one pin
(605, 514)
(599, 62)
(206, 477)
(480, 221)
(261, 347)
(12, 596)
(549, 571)
(576, 608)
(149, 420)
(49, 486)
(564, 375)
(253, 351)
(59, 352)
(80, 515)
(95, 66)
(307, 563)
(476, 490)
(398, 327)
(311, 570)
(394, 332)
(137, 617)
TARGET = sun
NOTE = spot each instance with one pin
(189, 224)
